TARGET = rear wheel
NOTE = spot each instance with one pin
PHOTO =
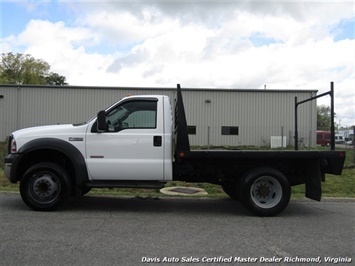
(45, 186)
(265, 191)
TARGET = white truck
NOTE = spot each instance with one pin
(133, 143)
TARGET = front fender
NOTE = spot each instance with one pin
(71, 152)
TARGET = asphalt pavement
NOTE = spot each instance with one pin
(98, 230)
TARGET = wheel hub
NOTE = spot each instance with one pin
(45, 186)
(263, 190)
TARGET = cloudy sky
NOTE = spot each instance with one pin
(215, 44)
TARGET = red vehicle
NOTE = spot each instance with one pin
(323, 138)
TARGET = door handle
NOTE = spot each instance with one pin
(157, 141)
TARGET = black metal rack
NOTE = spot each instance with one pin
(332, 129)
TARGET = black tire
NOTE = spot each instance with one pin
(45, 186)
(265, 191)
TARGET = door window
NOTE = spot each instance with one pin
(132, 114)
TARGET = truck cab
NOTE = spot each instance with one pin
(135, 133)
(127, 145)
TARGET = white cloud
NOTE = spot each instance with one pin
(123, 29)
(232, 45)
(64, 49)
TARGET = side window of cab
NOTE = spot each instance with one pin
(135, 114)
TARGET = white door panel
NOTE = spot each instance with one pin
(124, 156)
(127, 150)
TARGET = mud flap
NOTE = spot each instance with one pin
(313, 180)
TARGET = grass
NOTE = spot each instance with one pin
(335, 186)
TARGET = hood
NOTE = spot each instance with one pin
(54, 131)
(49, 130)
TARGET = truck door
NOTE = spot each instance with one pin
(131, 148)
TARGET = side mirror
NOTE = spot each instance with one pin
(101, 121)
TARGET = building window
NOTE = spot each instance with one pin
(191, 130)
(230, 130)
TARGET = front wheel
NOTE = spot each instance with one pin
(265, 191)
(45, 186)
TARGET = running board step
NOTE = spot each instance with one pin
(125, 184)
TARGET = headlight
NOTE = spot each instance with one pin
(12, 146)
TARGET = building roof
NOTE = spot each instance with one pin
(154, 88)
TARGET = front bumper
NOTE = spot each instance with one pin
(10, 162)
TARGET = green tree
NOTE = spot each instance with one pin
(56, 79)
(24, 69)
(323, 118)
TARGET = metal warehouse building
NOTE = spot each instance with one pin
(216, 117)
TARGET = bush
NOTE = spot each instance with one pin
(3, 153)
